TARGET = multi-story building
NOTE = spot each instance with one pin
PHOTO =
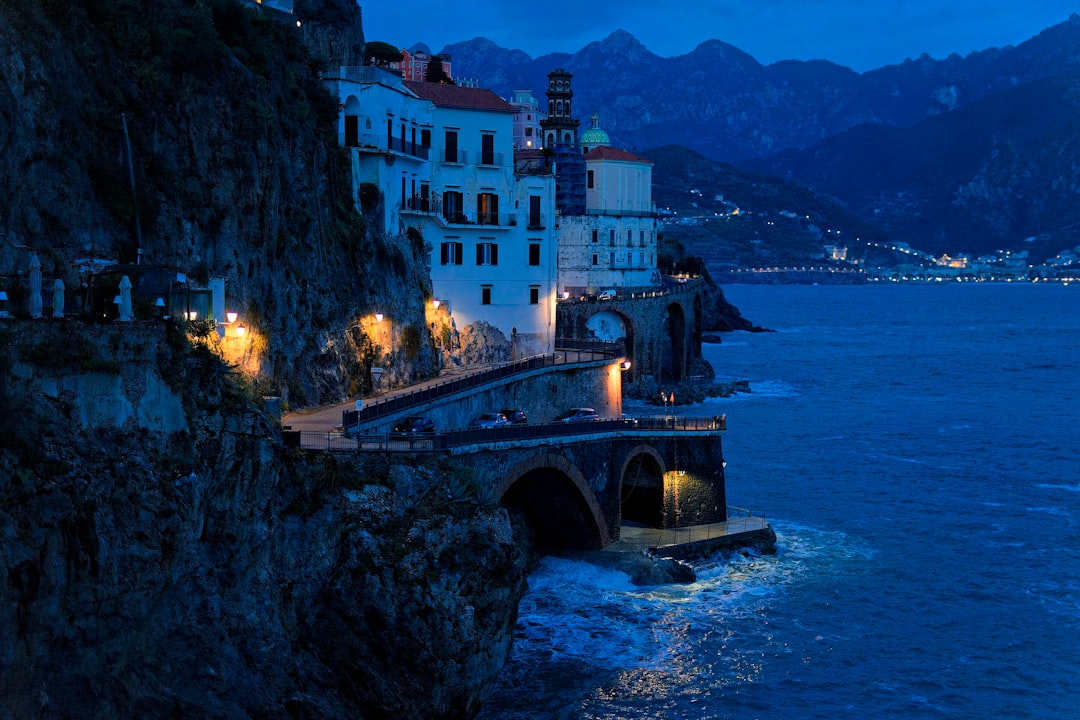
(389, 131)
(527, 118)
(414, 64)
(491, 230)
(612, 244)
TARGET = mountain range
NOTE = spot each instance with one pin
(966, 154)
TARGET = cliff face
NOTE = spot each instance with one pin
(235, 167)
(163, 555)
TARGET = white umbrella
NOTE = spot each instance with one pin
(125, 299)
(35, 287)
(58, 299)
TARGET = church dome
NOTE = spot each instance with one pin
(594, 136)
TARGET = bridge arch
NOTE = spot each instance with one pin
(555, 499)
(641, 487)
(675, 353)
(613, 326)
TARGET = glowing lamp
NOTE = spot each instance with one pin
(378, 317)
(241, 330)
(231, 317)
(436, 303)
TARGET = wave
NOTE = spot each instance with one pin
(1050, 486)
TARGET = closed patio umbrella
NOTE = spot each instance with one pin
(35, 287)
(58, 299)
(126, 313)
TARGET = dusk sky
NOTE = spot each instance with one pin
(861, 34)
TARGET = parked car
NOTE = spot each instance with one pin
(516, 416)
(489, 420)
(576, 415)
(412, 426)
(608, 295)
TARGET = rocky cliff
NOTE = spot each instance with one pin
(163, 556)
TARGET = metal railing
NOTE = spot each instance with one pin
(436, 442)
(568, 351)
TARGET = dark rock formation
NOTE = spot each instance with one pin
(164, 556)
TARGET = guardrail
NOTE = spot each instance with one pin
(434, 442)
(569, 351)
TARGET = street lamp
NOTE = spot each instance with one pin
(230, 316)
(378, 317)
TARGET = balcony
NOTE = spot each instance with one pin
(433, 206)
(375, 143)
(479, 159)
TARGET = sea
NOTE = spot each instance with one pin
(915, 447)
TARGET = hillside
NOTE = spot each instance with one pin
(729, 216)
(986, 176)
(234, 161)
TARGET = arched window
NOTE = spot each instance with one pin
(558, 107)
(567, 108)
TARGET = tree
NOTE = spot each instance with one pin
(435, 72)
(381, 54)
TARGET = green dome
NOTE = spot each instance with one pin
(594, 136)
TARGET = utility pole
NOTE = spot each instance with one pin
(134, 195)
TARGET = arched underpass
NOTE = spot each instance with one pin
(558, 516)
(642, 490)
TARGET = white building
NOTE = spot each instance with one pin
(388, 129)
(491, 231)
(527, 117)
(613, 245)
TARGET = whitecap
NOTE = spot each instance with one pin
(1049, 486)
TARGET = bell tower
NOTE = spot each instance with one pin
(559, 131)
(560, 127)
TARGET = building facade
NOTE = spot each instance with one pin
(612, 245)
(491, 230)
(527, 118)
(414, 65)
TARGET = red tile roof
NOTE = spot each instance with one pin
(469, 98)
(610, 153)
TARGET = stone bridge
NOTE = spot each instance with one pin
(576, 487)
(661, 330)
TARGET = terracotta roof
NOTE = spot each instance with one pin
(611, 153)
(469, 98)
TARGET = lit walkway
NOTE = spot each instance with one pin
(693, 539)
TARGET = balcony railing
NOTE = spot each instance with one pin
(434, 206)
(479, 159)
(371, 142)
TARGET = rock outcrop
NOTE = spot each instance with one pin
(165, 556)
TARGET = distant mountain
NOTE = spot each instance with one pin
(724, 104)
(965, 154)
(989, 175)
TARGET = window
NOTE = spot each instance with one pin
(453, 204)
(534, 212)
(534, 253)
(425, 137)
(485, 295)
(595, 259)
(528, 131)
(642, 239)
(487, 209)
(611, 237)
(487, 253)
(451, 253)
(451, 146)
(641, 259)
(611, 260)
(487, 149)
(534, 294)
(589, 180)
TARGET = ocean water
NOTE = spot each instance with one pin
(916, 449)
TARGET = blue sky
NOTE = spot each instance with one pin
(861, 34)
